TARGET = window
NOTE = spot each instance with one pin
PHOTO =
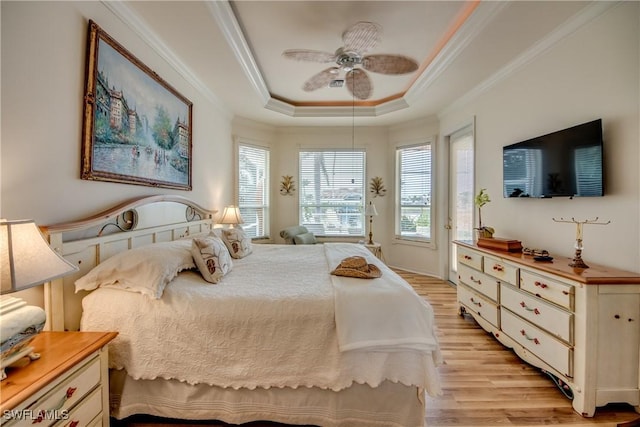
(332, 192)
(253, 189)
(413, 217)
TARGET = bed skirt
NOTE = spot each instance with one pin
(389, 405)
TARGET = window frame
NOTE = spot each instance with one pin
(266, 206)
(414, 239)
(324, 231)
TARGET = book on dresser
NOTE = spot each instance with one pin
(582, 326)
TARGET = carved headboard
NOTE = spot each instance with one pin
(89, 241)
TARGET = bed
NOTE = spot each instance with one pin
(276, 338)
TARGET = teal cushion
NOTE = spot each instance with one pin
(305, 239)
(289, 233)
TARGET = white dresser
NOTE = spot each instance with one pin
(582, 326)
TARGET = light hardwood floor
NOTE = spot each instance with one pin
(484, 383)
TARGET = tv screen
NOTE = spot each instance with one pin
(566, 163)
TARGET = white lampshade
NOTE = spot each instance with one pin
(26, 259)
(370, 210)
(231, 215)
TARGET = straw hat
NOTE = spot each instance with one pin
(356, 266)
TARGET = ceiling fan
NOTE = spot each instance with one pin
(358, 39)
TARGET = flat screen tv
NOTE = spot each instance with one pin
(566, 163)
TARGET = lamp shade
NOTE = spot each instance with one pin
(231, 215)
(370, 210)
(26, 259)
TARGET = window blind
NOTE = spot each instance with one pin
(332, 191)
(253, 189)
(414, 190)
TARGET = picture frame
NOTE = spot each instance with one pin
(136, 127)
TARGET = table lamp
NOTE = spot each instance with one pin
(231, 216)
(26, 260)
(371, 211)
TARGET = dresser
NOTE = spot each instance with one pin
(582, 326)
(67, 386)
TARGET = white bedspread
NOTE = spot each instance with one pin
(269, 323)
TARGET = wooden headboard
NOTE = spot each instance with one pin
(89, 241)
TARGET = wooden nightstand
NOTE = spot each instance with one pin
(67, 386)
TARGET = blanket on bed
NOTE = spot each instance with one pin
(270, 322)
(382, 314)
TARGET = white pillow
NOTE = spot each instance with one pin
(212, 258)
(146, 269)
(237, 241)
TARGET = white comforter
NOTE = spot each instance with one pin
(271, 322)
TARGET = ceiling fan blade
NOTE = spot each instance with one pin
(361, 37)
(389, 64)
(309, 55)
(359, 84)
(321, 79)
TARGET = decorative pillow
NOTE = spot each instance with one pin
(237, 241)
(212, 258)
(146, 269)
(305, 239)
(290, 232)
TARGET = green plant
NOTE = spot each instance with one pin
(481, 199)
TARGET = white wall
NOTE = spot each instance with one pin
(593, 73)
(43, 63)
(43, 78)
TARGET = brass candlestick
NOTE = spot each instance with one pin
(577, 261)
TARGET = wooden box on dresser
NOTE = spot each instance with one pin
(67, 386)
(581, 325)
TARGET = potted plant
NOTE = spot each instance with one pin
(481, 199)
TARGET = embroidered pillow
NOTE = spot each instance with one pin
(212, 258)
(237, 241)
(146, 269)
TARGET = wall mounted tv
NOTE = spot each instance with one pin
(566, 163)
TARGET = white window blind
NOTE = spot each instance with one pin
(253, 189)
(332, 192)
(413, 219)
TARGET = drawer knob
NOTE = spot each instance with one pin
(467, 257)
(478, 303)
(540, 284)
(478, 281)
(535, 340)
(524, 305)
(498, 267)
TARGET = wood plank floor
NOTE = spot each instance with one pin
(484, 383)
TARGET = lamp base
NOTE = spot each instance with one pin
(14, 358)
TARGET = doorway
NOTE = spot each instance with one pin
(461, 185)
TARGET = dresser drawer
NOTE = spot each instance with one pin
(86, 412)
(554, 320)
(479, 305)
(55, 404)
(501, 270)
(471, 258)
(486, 285)
(554, 352)
(547, 288)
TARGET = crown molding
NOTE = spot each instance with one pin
(581, 18)
(140, 27)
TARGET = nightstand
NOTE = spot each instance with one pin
(376, 249)
(67, 386)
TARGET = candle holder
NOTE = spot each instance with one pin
(577, 261)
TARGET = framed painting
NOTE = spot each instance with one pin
(136, 127)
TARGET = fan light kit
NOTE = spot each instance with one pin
(358, 39)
